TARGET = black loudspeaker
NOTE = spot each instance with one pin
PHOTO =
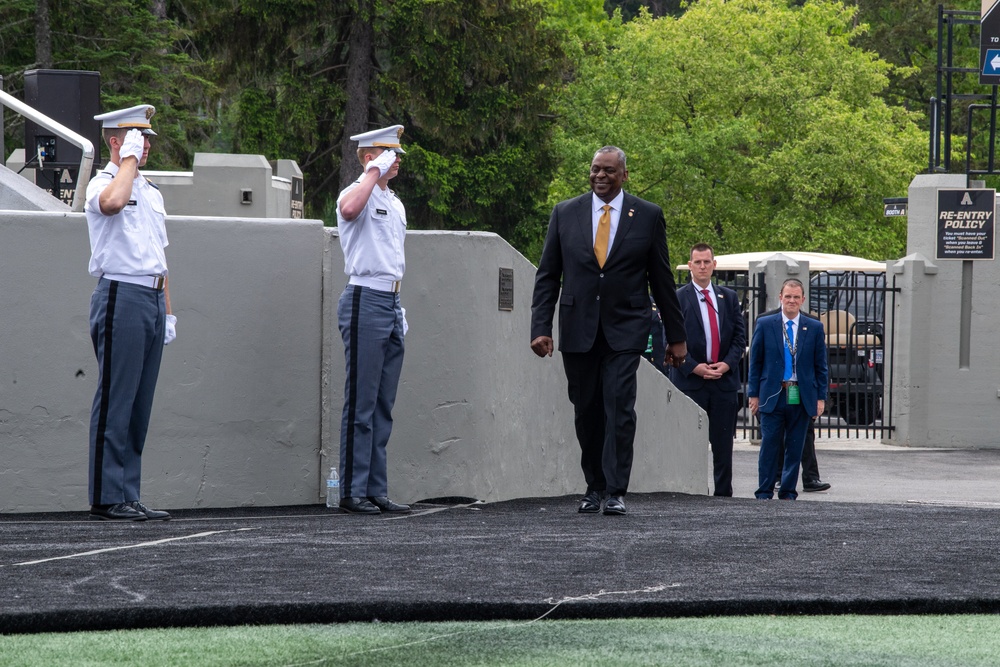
(70, 97)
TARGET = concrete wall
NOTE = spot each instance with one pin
(478, 414)
(236, 416)
(939, 401)
(232, 185)
(248, 403)
(16, 192)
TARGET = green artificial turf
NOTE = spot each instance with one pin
(795, 641)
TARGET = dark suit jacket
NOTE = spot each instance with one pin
(732, 338)
(617, 296)
(767, 362)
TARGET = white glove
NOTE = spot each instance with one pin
(171, 330)
(133, 145)
(383, 163)
(406, 325)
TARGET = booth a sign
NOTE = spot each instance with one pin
(894, 210)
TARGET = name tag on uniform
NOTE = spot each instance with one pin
(382, 211)
(131, 202)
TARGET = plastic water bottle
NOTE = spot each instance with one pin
(333, 488)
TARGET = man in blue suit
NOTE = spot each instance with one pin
(716, 338)
(603, 254)
(786, 387)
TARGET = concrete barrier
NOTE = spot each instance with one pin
(249, 398)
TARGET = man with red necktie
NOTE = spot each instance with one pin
(709, 375)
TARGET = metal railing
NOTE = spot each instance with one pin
(86, 147)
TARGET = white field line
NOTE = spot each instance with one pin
(131, 546)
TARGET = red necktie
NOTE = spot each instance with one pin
(713, 324)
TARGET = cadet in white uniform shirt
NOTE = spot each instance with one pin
(130, 318)
(372, 228)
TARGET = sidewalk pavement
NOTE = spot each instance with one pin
(868, 471)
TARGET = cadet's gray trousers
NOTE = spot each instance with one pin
(126, 325)
(371, 324)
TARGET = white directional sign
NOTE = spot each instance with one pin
(989, 43)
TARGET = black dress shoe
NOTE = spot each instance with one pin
(591, 503)
(815, 485)
(152, 515)
(615, 505)
(358, 506)
(117, 512)
(387, 505)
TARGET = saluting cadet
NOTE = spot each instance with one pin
(130, 318)
(372, 228)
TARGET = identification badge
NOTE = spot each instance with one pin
(793, 395)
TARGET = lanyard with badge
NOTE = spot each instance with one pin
(793, 390)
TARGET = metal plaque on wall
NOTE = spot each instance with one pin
(506, 295)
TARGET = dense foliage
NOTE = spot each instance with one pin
(756, 124)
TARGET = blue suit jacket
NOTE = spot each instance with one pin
(732, 338)
(767, 362)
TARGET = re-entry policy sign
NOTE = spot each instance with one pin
(965, 228)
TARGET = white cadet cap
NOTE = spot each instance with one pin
(387, 137)
(137, 117)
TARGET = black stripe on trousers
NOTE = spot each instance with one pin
(352, 392)
(102, 421)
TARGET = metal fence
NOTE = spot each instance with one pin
(854, 308)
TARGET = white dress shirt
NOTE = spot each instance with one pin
(131, 242)
(705, 303)
(373, 241)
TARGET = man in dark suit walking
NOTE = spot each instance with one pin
(716, 336)
(786, 387)
(604, 251)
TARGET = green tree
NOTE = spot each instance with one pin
(755, 124)
(630, 9)
(904, 33)
(472, 80)
(279, 66)
(141, 58)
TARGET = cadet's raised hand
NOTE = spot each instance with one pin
(383, 162)
(133, 145)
